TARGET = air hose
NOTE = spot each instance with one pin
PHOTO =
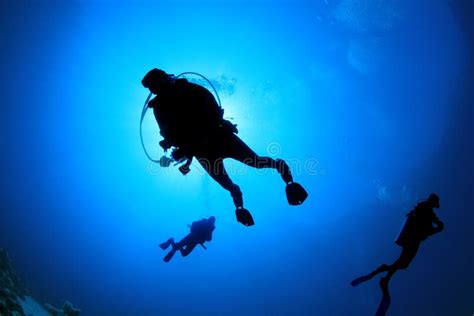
(145, 109)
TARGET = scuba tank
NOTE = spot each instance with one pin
(407, 231)
(417, 226)
(166, 161)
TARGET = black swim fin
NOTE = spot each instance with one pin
(295, 193)
(166, 244)
(170, 255)
(370, 276)
(362, 279)
(386, 300)
(244, 217)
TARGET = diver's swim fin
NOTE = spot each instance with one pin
(362, 279)
(244, 217)
(166, 244)
(369, 276)
(295, 193)
(170, 255)
(386, 300)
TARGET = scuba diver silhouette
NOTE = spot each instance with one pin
(418, 227)
(191, 122)
(200, 232)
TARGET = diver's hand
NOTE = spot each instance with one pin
(165, 145)
(439, 228)
(229, 126)
(233, 128)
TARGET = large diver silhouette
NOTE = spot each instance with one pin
(417, 228)
(191, 122)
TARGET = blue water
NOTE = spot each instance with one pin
(371, 101)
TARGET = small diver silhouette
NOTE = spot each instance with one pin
(418, 227)
(191, 122)
(200, 232)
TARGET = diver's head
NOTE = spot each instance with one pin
(212, 219)
(155, 79)
(433, 200)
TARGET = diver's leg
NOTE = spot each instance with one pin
(187, 249)
(367, 277)
(407, 255)
(174, 247)
(216, 169)
(240, 151)
(183, 242)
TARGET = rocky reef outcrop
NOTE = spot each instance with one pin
(66, 310)
(15, 299)
(11, 288)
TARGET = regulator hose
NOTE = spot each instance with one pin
(145, 108)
